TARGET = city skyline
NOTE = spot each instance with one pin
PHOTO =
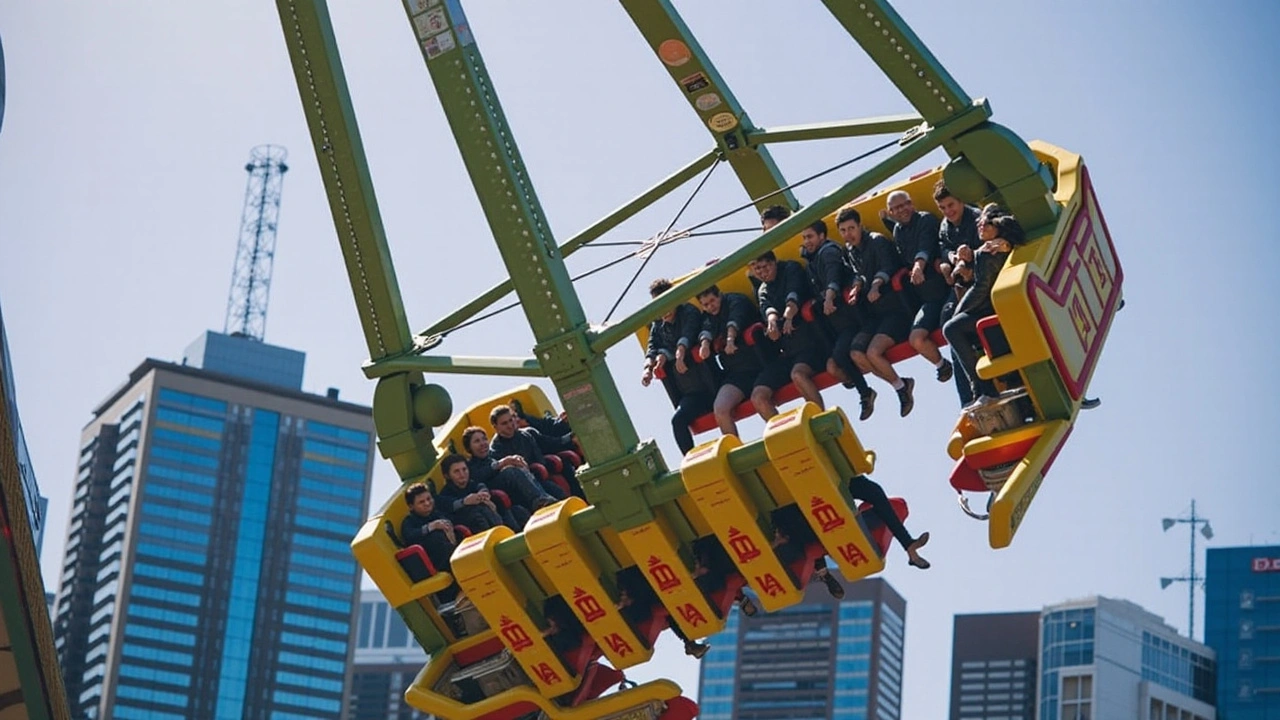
(156, 183)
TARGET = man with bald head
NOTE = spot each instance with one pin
(915, 233)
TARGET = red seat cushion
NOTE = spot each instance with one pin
(680, 708)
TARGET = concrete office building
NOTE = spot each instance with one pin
(821, 659)
(993, 666)
(1242, 625)
(1104, 658)
(387, 659)
(208, 572)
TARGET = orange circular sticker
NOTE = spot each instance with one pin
(722, 122)
(674, 53)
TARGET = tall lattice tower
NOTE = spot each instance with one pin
(251, 276)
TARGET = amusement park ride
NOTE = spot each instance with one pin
(1054, 299)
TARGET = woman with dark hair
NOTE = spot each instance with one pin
(1000, 232)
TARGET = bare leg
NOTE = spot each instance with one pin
(924, 345)
(727, 400)
(802, 376)
(762, 398)
(880, 365)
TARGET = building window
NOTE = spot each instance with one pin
(1246, 599)
(1077, 698)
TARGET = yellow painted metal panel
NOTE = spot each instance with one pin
(560, 553)
(712, 484)
(805, 468)
(657, 555)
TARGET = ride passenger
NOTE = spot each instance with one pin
(469, 503)
(887, 316)
(724, 317)
(784, 288)
(691, 390)
(862, 487)
(546, 424)
(830, 275)
(509, 474)
(428, 528)
(509, 439)
(958, 236)
(915, 233)
(1000, 233)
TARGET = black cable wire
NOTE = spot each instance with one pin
(795, 184)
(706, 176)
(688, 233)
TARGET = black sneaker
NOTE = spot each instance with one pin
(833, 585)
(747, 606)
(696, 649)
(944, 372)
(868, 403)
(906, 396)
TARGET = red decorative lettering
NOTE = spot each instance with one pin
(546, 673)
(1262, 564)
(618, 644)
(768, 584)
(742, 545)
(587, 605)
(691, 615)
(515, 635)
(663, 576)
(825, 513)
(852, 554)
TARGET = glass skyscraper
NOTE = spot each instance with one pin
(820, 659)
(1242, 624)
(1104, 658)
(208, 572)
(387, 659)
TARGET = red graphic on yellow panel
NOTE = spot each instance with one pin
(1076, 305)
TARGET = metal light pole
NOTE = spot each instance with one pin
(1191, 579)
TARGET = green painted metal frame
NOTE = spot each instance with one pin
(690, 67)
(567, 349)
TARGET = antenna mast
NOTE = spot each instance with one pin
(251, 274)
(1190, 579)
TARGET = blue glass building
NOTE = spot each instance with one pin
(387, 659)
(819, 659)
(208, 572)
(1242, 624)
(1106, 658)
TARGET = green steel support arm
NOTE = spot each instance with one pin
(826, 131)
(457, 365)
(620, 465)
(709, 96)
(900, 160)
(575, 243)
(999, 156)
(403, 435)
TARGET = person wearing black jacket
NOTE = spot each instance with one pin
(428, 527)
(958, 236)
(888, 319)
(784, 289)
(1000, 233)
(692, 389)
(724, 318)
(830, 275)
(510, 439)
(915, 233)
(468, 502)
(510, 474)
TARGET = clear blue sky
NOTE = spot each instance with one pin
(121, 183)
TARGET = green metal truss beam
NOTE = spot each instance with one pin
(403, 436)
(709, 96)
(1000, 157)
(920, 146)
(457, 365)
(839, 129)
(620, 464)
(582, 239)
